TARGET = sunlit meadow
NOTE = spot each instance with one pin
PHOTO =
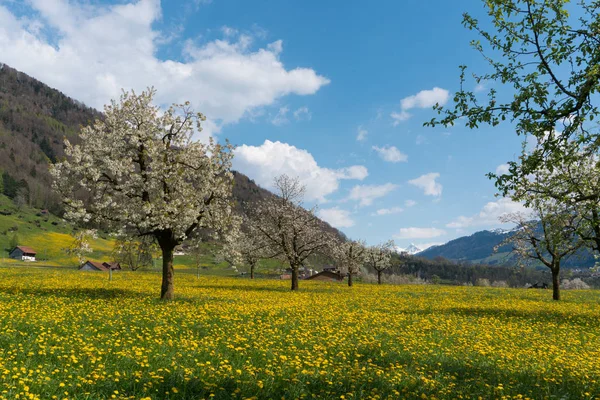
(68, 334)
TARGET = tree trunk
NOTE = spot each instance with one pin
(295, 278)
(349, 278)
(379, 277)
(251, 271)
(166, 291)
(198, 272)
(110, 273)
(556, 283)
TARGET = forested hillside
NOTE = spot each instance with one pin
(34, 119)
(479, 248)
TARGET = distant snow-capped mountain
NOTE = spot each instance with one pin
(411, 249)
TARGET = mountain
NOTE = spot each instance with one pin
(478, 248)
(34, 120)
(412, 249)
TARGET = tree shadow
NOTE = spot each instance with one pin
(76, 293)
(256, 288)
(541, 315)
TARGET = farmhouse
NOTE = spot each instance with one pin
(99, 266)
(326, 276)
(23, 253)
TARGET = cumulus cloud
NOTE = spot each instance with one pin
(92, 51)
(366, 194)
(362, 134)
(262, 163)
(423, 99)
(428, 183)
(388, 211)
(489, 215)
(391, 154)
(419, 233)
(336, 217)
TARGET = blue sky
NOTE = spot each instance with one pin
(333, 92)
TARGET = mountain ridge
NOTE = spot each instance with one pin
(478, 248)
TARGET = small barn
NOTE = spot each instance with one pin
(23, 253)
(99, 266)
(327, 276)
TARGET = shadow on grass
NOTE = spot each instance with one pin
(77, 293)
(541, 315)
(280, 289)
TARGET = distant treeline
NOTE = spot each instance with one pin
(450, 272)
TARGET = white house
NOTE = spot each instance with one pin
(23, 253)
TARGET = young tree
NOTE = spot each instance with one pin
(548, 59)
(286, 229)
(141, 171)
(548, 235)
(81, 246)
(350, 256)
(195, 250)
(133, 252)
(250, 249)
(379, 257)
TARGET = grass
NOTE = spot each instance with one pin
(71, 334)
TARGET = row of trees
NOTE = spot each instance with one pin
(138, 172)
(280, 227)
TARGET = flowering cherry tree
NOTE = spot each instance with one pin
(245, 246)
(139, 170)
(350, 256)
(286, 229)
(379, 257)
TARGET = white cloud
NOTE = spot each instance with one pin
(399, 117)
(423, 99)
(359, 172)
(366, 194)
(428, 184)
(280, 118)
(95, 50)
(489, 214)
(262, 163)
(336, 217)
(388, 211)
(362, 134)
(302, 114)
(410, 203)
(391, 154)
(502, 169)
(419, 233)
